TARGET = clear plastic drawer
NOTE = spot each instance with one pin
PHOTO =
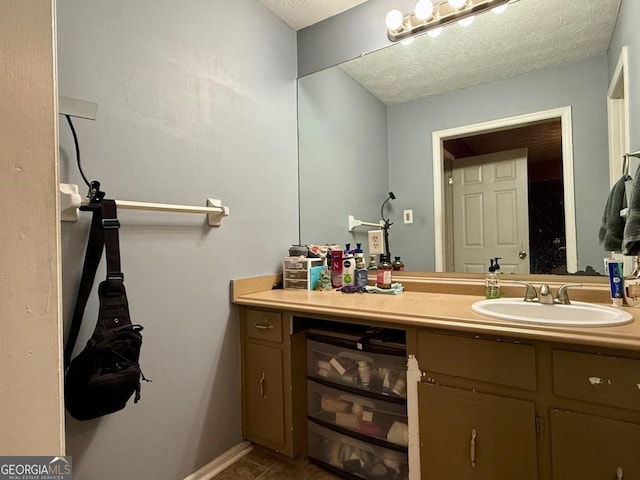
(377, 373)
(367, 417)
(356, 457)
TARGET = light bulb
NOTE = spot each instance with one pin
(435, 32)
(407, 41)
(500, 9)
(465, 22)
(457, 3)
(394, 19)
(424, 9)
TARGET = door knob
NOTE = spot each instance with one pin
(522, 254)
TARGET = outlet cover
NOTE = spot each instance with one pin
(376, 242)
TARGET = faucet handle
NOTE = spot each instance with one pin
(562, 296)
(530, 294)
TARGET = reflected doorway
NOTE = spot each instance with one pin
(547, 138)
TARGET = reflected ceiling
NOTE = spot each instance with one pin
(530, 35)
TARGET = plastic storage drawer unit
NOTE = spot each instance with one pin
(358, 459)
(301, 273)
(376, 373)
(384, 422)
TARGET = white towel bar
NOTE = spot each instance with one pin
(71, 201)
(353, 223)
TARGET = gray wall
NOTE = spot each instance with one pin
(627, 33)
(581, 85)
(343, 140)
(189, 108)
(345, 36)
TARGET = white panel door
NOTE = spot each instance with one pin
(490, 208)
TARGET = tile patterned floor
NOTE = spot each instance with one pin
(259, 464)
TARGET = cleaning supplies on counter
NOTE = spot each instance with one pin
(336, 268)
(397, 265)
(383, 277)
(348, 266)
(614, 270)
(492, 280)
(361, 271)
(632, 286)
(373, 265)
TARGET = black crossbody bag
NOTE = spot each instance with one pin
(101, 379)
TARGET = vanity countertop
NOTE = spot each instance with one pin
(433, 310)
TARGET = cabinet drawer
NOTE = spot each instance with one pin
(376, 373)
(605, 379)
(501, 363)
(370, 418)
(264, 325)
(355, 457)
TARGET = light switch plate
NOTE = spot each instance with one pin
(408, 216)
(376, 242)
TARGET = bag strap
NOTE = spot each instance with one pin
(110, 226)
(92, 257)
(102, 235)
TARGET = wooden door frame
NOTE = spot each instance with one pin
(440, 136)
(618, 115)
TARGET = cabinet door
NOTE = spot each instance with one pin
(585, 446)
(263, 394)
(470, 435)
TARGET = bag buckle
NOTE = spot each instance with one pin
(116, 281)
(110, 223)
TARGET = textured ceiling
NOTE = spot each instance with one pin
(299, 14)
(530, 35)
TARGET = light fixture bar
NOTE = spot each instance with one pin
(443, 14)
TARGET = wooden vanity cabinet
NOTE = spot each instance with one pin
(587, 446)
(490, 407)
(273, 398)
(467, 433)
(502, 408)
(470, 435)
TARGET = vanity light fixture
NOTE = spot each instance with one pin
(430, 17)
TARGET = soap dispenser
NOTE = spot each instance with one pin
(492, 281)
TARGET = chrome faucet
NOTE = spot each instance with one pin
(530, 294)
(562, 297)
(546, 296)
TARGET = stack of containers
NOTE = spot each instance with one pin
(357, 407)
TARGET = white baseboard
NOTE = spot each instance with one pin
(221, 462)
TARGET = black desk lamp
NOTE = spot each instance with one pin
(387, 225)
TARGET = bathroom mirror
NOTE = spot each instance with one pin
(366, 127)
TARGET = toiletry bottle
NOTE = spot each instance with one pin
(615, 272)
(361, 271)
(398, 265)
(336, 268)
(632, 286)
(384, 274)
(373, 266)
(348, 266)
(493, 282)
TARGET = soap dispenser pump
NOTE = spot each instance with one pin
(492, 280)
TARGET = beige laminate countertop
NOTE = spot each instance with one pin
(436, 310)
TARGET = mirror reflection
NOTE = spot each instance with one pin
(395, 120)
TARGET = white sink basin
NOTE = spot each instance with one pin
(578, 314)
